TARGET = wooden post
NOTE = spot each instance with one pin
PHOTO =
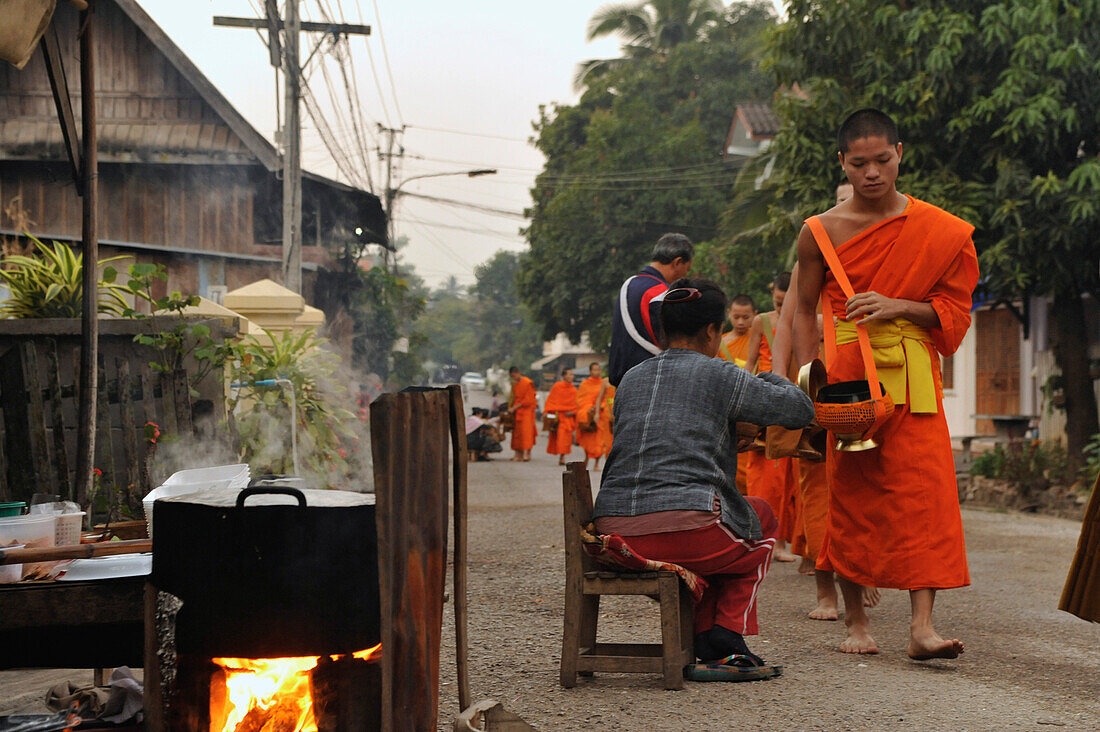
(89, 326)
(292, 157)
(57, 416)
(458, 462)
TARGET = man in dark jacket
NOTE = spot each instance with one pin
(636, 323)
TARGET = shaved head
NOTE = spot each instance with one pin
(866, 122)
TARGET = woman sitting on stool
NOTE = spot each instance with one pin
(668, 486)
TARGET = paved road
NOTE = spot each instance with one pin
(1027, 665)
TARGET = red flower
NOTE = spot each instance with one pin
(97, 472)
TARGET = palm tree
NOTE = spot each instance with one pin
(647, 28)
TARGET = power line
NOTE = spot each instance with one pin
(470, 134)
(467, 204)
(469, 229)
(386, 57)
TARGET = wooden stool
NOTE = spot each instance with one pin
(585, 581)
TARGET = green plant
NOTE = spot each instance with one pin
(262, 411)
(184, 340)
(50, 285)
(1029, 466)
(1091, 469)
(989, 464)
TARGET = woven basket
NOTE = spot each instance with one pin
(851, 420)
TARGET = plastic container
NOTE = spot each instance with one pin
(180, 483)
(12, 509)
(11, 572)
(34, 532)
(67, 528)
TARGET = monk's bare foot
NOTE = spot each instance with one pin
(561, 461)
(806, 567)
(782, 555)
(859, 640)
(928, 644)
(871, 596)
(825, 610)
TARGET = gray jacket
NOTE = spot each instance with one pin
(675, 445)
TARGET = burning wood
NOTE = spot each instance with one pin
(303, 694)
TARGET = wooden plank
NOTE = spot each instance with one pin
(131, 448)
(57, 413)
(459, 456)
(19, 468)
(104, 445)
(75, 551)
(620, 586)
(167, 404)
(45, 478)
(410, 436)
(181, 396)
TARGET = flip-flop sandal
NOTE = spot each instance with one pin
(731, 668)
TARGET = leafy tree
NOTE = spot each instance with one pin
(999, 110)
(637, 156)
(647, 28)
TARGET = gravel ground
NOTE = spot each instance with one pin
(1027, 665)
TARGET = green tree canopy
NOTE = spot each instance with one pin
(638, 155)
(999, 111)
(647, 28)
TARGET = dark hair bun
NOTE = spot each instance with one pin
(689, 317)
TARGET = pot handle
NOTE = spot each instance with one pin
(271, 490)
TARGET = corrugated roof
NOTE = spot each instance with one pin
(760, 120)
(159, 141)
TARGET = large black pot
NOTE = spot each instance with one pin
(273, 571)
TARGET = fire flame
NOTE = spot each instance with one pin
(268, 694)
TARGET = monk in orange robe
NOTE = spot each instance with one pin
(894, 518)
(590, 396)
(562, 402)
(522, 404)
(735, 349)
(773, 480)
(607, 426)
(813, 478)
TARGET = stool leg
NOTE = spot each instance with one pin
(590, 617)
(571, 637)
(687, 623)
(672, 650)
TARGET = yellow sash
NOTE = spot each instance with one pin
(902, 360)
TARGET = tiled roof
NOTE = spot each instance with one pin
(759, 119)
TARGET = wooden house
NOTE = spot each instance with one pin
(184, 179)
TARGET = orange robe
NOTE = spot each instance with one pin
(587, 394)
(607, 429)
(894, 517)
(776, 481)
(561, 399)
(523, 399)
(735, 349)
(815, 508)
(605, 420)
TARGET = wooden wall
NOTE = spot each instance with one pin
(204, 207)
(134, 81)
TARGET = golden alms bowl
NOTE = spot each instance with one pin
(847, 410)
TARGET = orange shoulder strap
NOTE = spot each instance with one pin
(833, 262)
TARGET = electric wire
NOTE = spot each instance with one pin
(386, 58)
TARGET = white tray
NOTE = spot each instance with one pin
(120, 565)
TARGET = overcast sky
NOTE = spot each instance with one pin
(482, 66)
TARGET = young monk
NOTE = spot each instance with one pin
(590, 396)
(735, 349)
(894, 518)
(813, 478)
(773, 480)
(562, 401)
(522, 404)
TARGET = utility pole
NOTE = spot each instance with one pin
(286, 54)
(391, 191)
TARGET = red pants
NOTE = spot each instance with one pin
(733, 567)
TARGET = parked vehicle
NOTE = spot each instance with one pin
(473, 381)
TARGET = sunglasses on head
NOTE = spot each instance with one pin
(683, 294)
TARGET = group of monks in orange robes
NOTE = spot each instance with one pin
(583, 415)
